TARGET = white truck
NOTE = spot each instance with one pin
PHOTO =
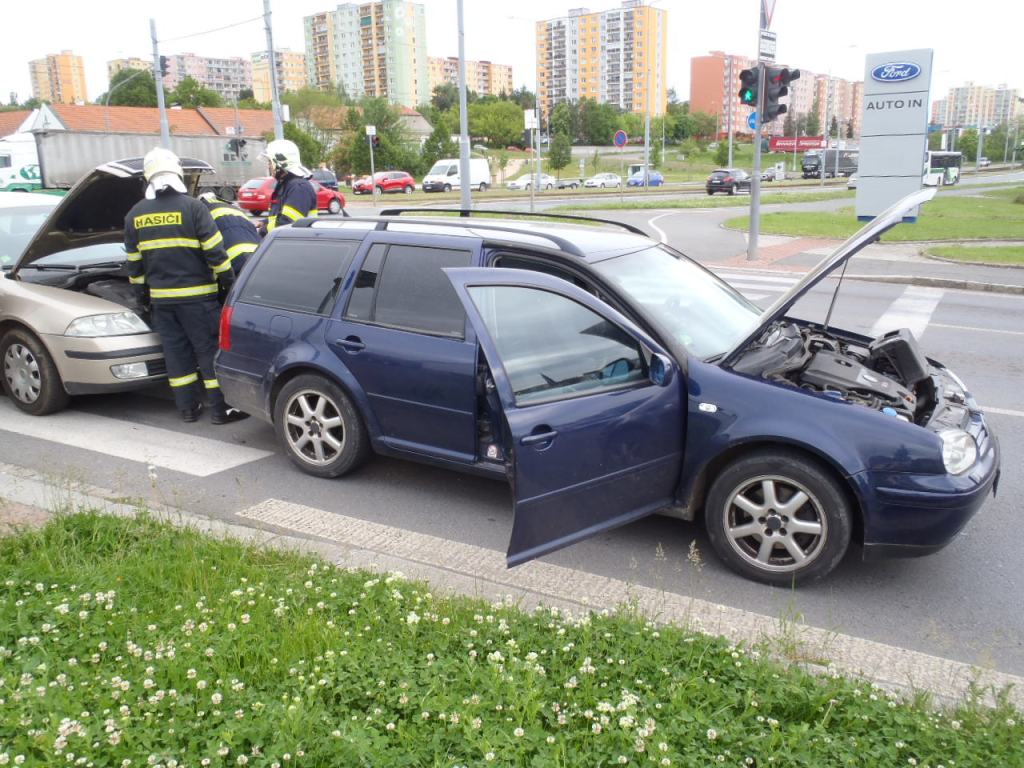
(444, 175)
(58, 159)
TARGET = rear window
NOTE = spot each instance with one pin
(300, 275)
(253, 184)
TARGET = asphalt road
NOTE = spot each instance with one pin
(962, 603)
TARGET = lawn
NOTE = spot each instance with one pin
(1008, 254)
(992, 216)
(704, 201)
(130, 643)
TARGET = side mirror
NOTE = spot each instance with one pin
(662, 370)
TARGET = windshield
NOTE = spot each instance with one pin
(17, 225)
(697, 309)
(253, 184)
(439, 169)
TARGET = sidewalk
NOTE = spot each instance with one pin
(881, 263)
(28, 498)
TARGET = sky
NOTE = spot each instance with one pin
(814, 35)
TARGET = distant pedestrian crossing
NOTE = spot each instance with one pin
(757, 286)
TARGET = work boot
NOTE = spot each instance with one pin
(191, 414)
(227, 416)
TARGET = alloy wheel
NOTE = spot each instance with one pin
(314, 428)
(775, 524)
(21, 370)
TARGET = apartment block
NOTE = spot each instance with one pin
(971, 105)
(58, 78)
(117, 65)
(291, 73)
(614, 57)
(483, 77)
(370, 49)
(714, 89)
(227, 76)
(841, 98)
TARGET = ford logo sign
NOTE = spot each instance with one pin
(895, 72)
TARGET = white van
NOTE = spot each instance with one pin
(19, 164)
(444, 176)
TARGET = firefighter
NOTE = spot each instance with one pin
(176, 261)
(294, 195)
(240, 236)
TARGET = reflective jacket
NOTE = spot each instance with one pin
(174, 248)
(294, 199)
(240, 235)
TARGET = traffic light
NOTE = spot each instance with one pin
(776, 85)
(163, 66)
(748, 87)
(375, 141)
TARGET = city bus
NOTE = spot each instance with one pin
(942, 168)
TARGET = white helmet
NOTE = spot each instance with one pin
(284, 156)
(161, 160)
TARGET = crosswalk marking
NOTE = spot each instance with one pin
(912, 310)
(164, 448)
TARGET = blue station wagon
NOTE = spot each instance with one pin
(606, 377)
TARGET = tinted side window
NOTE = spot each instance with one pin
(360, 305)
(300, 275)
(553, 348)
(414, 293)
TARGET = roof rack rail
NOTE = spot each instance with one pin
(469, 213)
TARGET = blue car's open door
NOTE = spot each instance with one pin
(594, 407)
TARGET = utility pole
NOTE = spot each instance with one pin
(464, 177)
(158, 76)
(981, 146)
(536, 104)
(728, 108)
(824, 153)
(274, 95)
(755, 181)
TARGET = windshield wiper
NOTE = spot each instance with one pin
(44, 267)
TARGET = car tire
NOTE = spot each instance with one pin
(602, 185)
(308, 411)
(711, 191)
(30, 378)
(483, 186)
(769, 482)
(380, 190)
(334, 206)
(548, 186)
(408, 189)
(447, 187)
(732, 189)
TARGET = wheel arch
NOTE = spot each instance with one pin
(698, 489)
(346, 382)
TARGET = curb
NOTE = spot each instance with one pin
(457, 568)
(971, 263)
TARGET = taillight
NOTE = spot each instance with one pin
(225, 327)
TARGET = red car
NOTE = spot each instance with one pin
(256, 196)
(385, 181)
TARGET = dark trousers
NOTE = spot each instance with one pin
(189, 334)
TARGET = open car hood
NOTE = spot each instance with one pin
(866, 235)
(93, 211)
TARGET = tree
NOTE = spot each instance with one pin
(789, 125)
(967, 143)
(833, 127)
(813, 119)
(310, 150)
(246, 94)
(655, 157)
(501, 122)
(849, 128)
(722, 154)
(439, 144)
(598, 122)
(445, 96)
(560, 154)
(565, 118)
(139, 89)
(526, 99)
(705, 126)
(191, 93)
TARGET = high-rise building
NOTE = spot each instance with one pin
(117, 65)
(971, 105)
(375, 49)
(614, 57)
(839, 98)
(227, 76)
(483, 77)
(715, 86)
(58, 78)
(291, 73)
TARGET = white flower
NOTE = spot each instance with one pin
(489, 757)
(519, 732)
(216, 698)
(412, 618)
(712, 734)
(390, 726)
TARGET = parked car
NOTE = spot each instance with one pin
(69, 320)
(385, 181)
(654, 179)
(984, 162)
(527, 180)
(569, 183)
(851, 183)
(257, 196)
(772, 174)
(605, 376)
(444, 175)
(731, 180)
(326, 177)
(603, 180)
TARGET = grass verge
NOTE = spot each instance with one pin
(704, 201)
(1008, 254)
(992, 216)
(131, 643)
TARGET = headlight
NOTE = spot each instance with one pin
(114, 324)
(959, 451)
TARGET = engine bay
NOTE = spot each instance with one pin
(888, 374)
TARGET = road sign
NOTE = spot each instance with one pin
(371, 130)
(529, 119)
(752, 121)
(620, 138)
(766, 47)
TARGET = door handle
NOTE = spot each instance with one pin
(539, 437)
(351, 344)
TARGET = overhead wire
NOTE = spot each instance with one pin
(211, 31)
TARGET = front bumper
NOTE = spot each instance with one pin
(908, 515)
(436, 186)
(86, 364)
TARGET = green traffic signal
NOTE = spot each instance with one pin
(748, 87)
